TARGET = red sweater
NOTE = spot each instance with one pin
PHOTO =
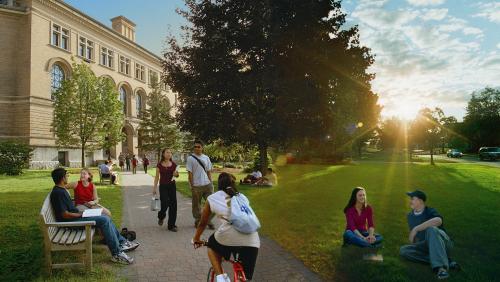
(359, 221)
(84, 194)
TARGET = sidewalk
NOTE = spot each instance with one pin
(169, 256)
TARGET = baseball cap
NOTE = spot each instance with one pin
(417, 193)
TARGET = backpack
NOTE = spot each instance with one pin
(128, 234)
(243, 218)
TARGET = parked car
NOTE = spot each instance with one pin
(454, 153)
(489, 153)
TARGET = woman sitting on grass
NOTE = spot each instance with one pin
(360, 230)
(86, 193)
(269, 180)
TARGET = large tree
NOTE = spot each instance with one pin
(428, 129)
(87, 111)
(482, 120)
(265, 72)
(158, 127)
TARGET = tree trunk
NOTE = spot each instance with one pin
(432, 155)
(83, 155)
(263, 157)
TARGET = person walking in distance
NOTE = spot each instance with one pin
(199, 169)
(134, 164)
(145, 163)
(166, 170)
(121, 161)
(127, 161)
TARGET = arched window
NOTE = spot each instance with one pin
(123, 99)
(138, 104)
(56, 78)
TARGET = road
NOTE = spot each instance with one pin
(465, 159)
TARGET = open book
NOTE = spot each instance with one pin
(92, 212)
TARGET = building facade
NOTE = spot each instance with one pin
(39, 39)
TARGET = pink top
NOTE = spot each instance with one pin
(359, 221)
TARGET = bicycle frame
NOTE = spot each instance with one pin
(238, 272)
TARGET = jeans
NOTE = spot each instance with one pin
(145, 169)
(108, 228)
(168, 199)
(435, 249)
(198, 193)
(351, 238)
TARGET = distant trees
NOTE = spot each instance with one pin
(393, 133)
(482, 121)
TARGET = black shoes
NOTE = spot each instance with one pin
(173, 228)
(160, 222)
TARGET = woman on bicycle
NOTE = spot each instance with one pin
(226, 240)
(360, 229)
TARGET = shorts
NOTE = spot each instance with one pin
(247, 255)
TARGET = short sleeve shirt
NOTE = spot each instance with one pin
(200, 177)
(414, 220)
(61, 202)
(166, 173)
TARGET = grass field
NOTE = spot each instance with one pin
(21, 242)
(304, 214)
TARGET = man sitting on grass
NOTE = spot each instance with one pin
(269, 180)
(252, 178)
(65, 210)
(429, 241)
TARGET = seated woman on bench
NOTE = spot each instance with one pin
(86, 193)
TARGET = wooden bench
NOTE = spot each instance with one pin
(62, 236)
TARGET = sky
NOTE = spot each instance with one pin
(428, 53)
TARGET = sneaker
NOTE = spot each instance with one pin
(160, 222)
(454, 265)
(442, 274)
(122, 258)
(129, 246)
(173, 228)
(222, 278)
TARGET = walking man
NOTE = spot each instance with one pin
(199, 170)
(429, 241)
(134, 164)
(127, 161)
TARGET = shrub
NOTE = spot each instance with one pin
(14, 156)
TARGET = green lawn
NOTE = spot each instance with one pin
(21, 242)
(304, 214)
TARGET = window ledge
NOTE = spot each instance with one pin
(104, 66)
(85, 59)
(59, 48)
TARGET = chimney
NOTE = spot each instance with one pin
(124, 26)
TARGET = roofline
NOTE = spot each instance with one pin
(124, 19)
(66, 5)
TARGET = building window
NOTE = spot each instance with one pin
(153, 76)
(86, 48)
(139, 72)
(123, 99)
(107, 57)
(60, 37)
(57, 77)
(138, 105)
(124, 65)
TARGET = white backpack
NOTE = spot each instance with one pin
(243, 218)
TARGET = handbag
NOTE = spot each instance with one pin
(155, 204)
(128, 234)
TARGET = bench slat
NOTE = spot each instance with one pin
(71, 237)
(78, 236)
(64, 236)
(57, 236)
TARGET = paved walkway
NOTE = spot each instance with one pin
(169, 256)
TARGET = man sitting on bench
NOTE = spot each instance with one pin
(106, 172)
(65, 210)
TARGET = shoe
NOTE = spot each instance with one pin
(160, 222)
(222, 278)
(443, 274)
(211, 226)
(129, 246)
(454, 265)
(173, 228)
(122, 258)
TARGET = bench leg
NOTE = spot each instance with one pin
(88, 249)
(48, 260)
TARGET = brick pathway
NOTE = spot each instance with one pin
(169, 256)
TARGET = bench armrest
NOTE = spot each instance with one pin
(70, 223)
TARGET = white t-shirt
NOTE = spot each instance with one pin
(200, 178)
(257, 174)
(226, 234)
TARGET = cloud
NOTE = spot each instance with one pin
(489, 11)
(425, 2)
(424, 63)
(434, 14)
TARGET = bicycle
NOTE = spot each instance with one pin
(238, 272)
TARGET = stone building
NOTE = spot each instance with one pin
(38, 39)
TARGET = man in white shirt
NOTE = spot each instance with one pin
(199, 169)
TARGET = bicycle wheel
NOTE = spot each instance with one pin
(211, 275)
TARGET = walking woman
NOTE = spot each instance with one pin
(166, 170)
(360, 229)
